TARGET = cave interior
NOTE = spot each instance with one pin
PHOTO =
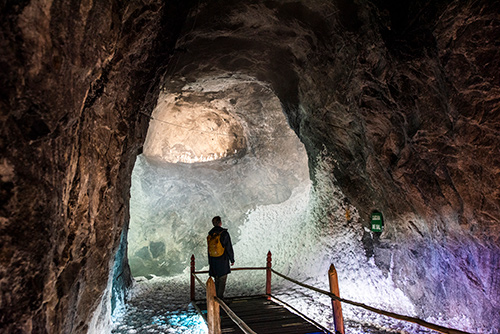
(127, 126)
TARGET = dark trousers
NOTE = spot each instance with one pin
(220, 285)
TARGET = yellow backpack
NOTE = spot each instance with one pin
(215, 248)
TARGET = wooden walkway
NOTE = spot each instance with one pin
(258, 315)
(261, 315)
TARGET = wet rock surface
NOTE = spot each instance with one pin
(402, 98)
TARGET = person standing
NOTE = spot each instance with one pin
(220, 255)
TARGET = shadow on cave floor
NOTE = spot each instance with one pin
(161, 305)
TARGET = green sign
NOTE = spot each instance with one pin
(377, 222)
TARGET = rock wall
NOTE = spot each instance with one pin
(74, 77)
(411, 106)
(402, 96)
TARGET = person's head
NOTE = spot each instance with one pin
(216, 221)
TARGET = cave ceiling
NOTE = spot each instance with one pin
(397, 102)
(390, 103)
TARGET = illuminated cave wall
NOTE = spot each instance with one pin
(392, 107)
(221, 147)
(396, 104)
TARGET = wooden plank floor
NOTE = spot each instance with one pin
(262, 316)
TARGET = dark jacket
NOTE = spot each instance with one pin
(220, 266)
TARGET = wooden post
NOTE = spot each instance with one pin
(338, 319)
(192, 277)
(213, 317)
(268, 275)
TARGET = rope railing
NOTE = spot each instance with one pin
(199, 281)
(240, 323)
(290, 307)
(336, 300)
(375, 310)
(233, 269)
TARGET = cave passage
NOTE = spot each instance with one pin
(221, 146)
(279, 116)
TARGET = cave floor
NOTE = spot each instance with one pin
(159, 305)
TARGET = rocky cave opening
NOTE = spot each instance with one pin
(149, 116)
(217, 146)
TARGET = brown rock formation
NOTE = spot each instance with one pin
(403, 96)
(74, 78)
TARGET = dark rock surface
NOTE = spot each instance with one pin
(403, 96)
(74, 78)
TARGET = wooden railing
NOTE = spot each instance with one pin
(213, 302)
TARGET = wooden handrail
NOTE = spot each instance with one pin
(199, 280)
(268, 273)
(315, 323)
(338, 318)
(191, 285)
(213, 309)
(334, 297)
(232, 269)
(241, 324)
(417, 321)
